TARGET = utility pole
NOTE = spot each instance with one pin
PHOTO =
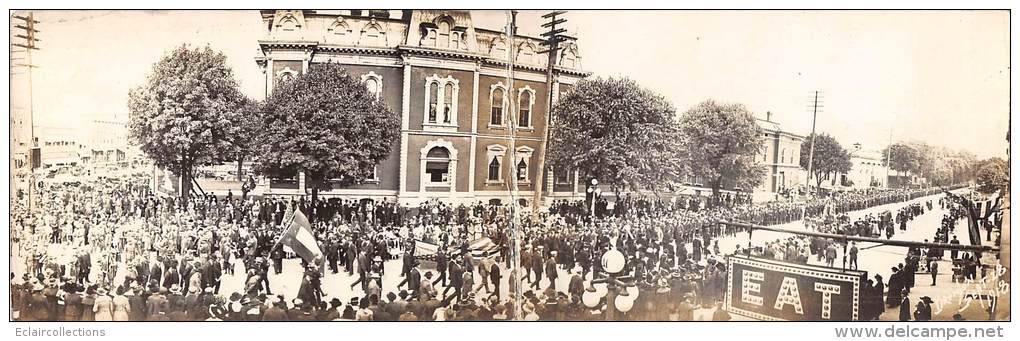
(811, 151)
(515, 223)
(553, 38)
(27, 31)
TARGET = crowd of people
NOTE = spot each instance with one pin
(111, 249)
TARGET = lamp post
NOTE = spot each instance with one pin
(613, 261)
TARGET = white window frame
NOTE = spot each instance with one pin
(523, 153)
(495, 151)
(285, 71)
(375, 175)
(531, 108)
(506, 104)
(441, 101)
(378, 79)
(425, 180)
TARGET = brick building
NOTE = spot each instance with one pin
(448, 80)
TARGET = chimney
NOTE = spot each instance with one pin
(768, 116)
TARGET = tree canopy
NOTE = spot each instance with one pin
(992, 175)
(722, 142)
(830, 157)
(326, 124)
(619, 132)
(181, 117)
(902, 157)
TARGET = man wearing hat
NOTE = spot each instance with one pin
(157, 306)
(37, 307)
(137, 303)
(276, 310)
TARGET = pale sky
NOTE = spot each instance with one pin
(935, 76)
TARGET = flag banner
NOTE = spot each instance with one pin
(425, 250)
(483, 248)
(299, 238)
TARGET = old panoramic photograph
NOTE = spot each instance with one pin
(509, 165)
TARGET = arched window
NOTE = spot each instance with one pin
(372, 85)
(437, 165)
(523, 160)
(525, 102)
(443, 37)
(448, 103)
(441, 96)
(497, 100)
(522, 170)
(433, 101)
(494, 169)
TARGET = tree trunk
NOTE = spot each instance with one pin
(185, 184)
(818, 182)
(240, 162)
(716, 184)
(315, 199)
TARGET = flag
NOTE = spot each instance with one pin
(483, 248)
(298, 237)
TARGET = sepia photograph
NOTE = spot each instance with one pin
(257, 165)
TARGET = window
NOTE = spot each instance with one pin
(433, 102)
(497, 99)
(522, 170)
(782, 156)
(373, 83)
(441, 96)
(447, 103)
(375, 174)
(562, 177)
(523, 160)
(443, 34)
(525, 101)
(495, 153)
(494, 169)
(437, 165)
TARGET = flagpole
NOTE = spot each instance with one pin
(290, 222)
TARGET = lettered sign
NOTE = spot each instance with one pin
(771, 290)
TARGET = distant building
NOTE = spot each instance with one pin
(779, 154)
(868, 169)
(781, 157)
(108, 141)
(60, 146)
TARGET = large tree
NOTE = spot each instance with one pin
(992, 175)
(244, 130)
(722, 142)
(181, 116)
(618, 132)
(902, 158)
(830, 157)
(326, 124)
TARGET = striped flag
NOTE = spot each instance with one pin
(299, 237)
(483, 248)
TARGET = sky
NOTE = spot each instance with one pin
(940, 77)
